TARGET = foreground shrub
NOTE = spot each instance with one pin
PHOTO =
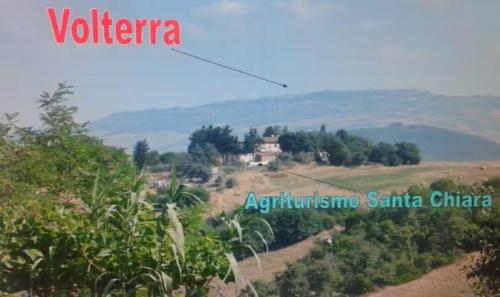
(231, 182)
(74, 219)
(485, 271)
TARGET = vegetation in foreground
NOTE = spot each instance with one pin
(392, 246)
(74, 219)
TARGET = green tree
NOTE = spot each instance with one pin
(206, 155)
(57, 117)
(58, 158)
(251, 141)
(275, 131)
(152, 158)
(168, 158)
(141, 150)
(296, 142)
(322, 130)
(485, 270)
(342, 135)
(393, 159)
(338, 152)
(220, 137)
(358, 159)
(408, 152)
(293, 282)
(386, 154)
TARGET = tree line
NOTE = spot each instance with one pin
(211, 145)
(344, 149)
(208, 146)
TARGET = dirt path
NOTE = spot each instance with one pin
(274, 262)
(447, 281)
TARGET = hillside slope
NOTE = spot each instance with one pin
(447, 281)
(437, 144)
(170, 128)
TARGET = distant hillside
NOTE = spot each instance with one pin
(437, 144)
(170, 128)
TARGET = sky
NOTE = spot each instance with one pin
(447, 47)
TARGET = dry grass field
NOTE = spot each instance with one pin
(362, 179)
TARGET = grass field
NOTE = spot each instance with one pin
(378, 178)
(362, 179)
(377, 182)
(366, 183)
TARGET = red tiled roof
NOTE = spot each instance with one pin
(270, 139)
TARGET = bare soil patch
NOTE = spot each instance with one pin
(447, 281)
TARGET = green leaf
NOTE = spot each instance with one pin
(33, 254)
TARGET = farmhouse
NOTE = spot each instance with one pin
(270, 145)
(265, 157)
(267, 150)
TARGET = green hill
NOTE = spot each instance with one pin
(437, 144)
(169, 129)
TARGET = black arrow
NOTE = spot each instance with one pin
(228, 67)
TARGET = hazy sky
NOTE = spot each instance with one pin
(444, 46)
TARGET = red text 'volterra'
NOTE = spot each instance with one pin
(122, 31)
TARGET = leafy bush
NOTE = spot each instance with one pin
(114, 244)
(190, 198)
(303, 158)
(443, 185)
(195, 170)
(75, 221)
(283, 161)
(286, 157)
(231, 182)
(263, 289)
(484, 271)
(294, 225)
(275, 165)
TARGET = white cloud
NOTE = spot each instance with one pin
(224, 20)
(195, 31)
(307, 9)
(223, 9)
